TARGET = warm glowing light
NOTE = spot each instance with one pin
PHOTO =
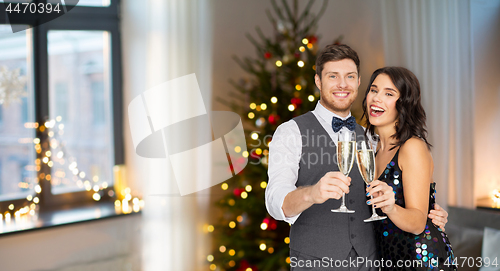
(288, 260)
(263, 106)
(253, 106)
(287, 240)
(254, 136)
(232, 252)
(237, 149)
(104, 185)
(305, 41)
(263, 185)
(50, 164)
(298, 87)
(11, 207)
(222, 249)
(232, 263)
(231, 202)
(262, 246)
(36, 140)
(118, 203)
(239, 218)
(213, 267)
(45, 160)
(258, 151)
(82, 174)
(310, 98)
(309, 45)
(48, 153)
(251, 115)
(274, 100)
(270, 250)
(279, 63)
(95, 178)
(244, 195)
(248, 269)
(263, 226)
(210, 228)
(232, 224)
(291, 107)
(128, 197)
(96, 188)
(29, 197)
(36, 200)
(210, 258)
(300, 63)
(96, 196)
(127, 190)
(302, 48)
(224, 186)
(38, 189)
(248, 188)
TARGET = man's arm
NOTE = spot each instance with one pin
(284, 201)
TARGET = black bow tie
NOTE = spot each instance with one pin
(338, 123)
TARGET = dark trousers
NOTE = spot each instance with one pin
(302, 262)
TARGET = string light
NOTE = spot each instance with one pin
(237, 149)
(222, 249)
(262, 246)
(274, 100)
(291, 107)
(305, 41)
(310, 98)
(310, 45)
(232, 224)
(302, 49)
(279, 63)
(300, 63)
(263, 106)
(253, 106)
(248, 188)
(224, 186)
(263, 226)
(287, 240)
(298, 87)
(251, 115)
(254, 136)
(232, 252)
(263, 185)
(244, 195)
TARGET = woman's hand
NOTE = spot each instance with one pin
(383, 196)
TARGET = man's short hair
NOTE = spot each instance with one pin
(335, 52)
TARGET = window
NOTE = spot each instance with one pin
(68, 71)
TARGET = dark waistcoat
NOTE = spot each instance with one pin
(318, 231)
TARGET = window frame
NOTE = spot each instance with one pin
(79, 18)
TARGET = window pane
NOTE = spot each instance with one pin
(80, 98)
(87, 3)
(17, 152)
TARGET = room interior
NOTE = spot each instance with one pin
(451, 46)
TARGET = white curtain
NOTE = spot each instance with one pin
(164, 40)
(432, 39)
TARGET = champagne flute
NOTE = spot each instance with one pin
(346, 148)
(366, 165)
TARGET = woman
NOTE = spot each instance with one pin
(392, 106)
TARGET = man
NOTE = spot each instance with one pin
(305, 183)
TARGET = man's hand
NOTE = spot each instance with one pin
(383, 196)
(330, 186)
(439, 216)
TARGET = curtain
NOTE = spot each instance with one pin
(163, 40)
(432, 39)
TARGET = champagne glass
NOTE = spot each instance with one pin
(365, 157)
(346, 148)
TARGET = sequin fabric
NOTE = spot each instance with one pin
(431, 248)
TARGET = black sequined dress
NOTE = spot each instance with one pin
(431, 248)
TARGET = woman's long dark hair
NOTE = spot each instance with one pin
(411, 114)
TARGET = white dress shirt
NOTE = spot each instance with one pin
(285, 151)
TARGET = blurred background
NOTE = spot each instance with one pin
(74, 195)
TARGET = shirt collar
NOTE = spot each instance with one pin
(326, 114)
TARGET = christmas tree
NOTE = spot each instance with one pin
(280, 86)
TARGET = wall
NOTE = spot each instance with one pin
(485, 19)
